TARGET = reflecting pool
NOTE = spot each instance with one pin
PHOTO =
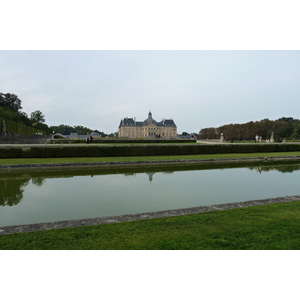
(66, 194)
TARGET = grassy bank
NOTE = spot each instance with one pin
(5, 161)
(274, 226)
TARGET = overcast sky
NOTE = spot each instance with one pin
(197, 89)
(203, 64)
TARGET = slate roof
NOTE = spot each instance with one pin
(148, 121)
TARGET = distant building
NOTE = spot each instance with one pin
(95, 134)
(73, 136)
(130, 128)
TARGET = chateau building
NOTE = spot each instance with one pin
(130, 128)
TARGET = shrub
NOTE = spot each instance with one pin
(143, 150)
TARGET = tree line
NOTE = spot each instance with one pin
(283, 128)
(81, 130)
(11, 109)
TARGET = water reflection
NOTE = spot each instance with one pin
(282, 169)
(39, 181)
(32, 196)
(12, 183)
(150, 174)
(11, 191)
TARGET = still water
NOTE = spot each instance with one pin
(44, 196)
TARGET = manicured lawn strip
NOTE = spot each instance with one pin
(140, 158)
(269, 227)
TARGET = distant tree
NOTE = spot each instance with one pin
(24, 119)
(282, 128)
(101, 133)
(10, 102)
(20, 117)
(113, 134)
(37, 117)
(284, 131)
(296, 132)
(82, 130)
(208, 133)
(42, 127)
(285, 119)
(63, 129)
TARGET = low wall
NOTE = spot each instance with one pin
(25, 139)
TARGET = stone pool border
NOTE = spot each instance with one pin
(142, 216)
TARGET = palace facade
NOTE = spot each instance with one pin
(130, 128)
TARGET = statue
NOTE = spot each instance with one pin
(272, 138)
(3, 128)
(222, 138)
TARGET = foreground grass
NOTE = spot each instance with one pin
(266, 227)
(140, 158)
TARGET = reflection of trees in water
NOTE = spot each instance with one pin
(11, 190)
(282, 169)
(39, 181)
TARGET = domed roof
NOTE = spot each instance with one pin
(149, 120)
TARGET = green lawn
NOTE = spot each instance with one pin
(274, 226)
(140, 158)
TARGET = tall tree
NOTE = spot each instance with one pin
(37, 117)
(10, 102)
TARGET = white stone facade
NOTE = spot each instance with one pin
(130, 128)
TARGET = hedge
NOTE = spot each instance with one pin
(142, 150)
(17, 128)
(134, 141)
